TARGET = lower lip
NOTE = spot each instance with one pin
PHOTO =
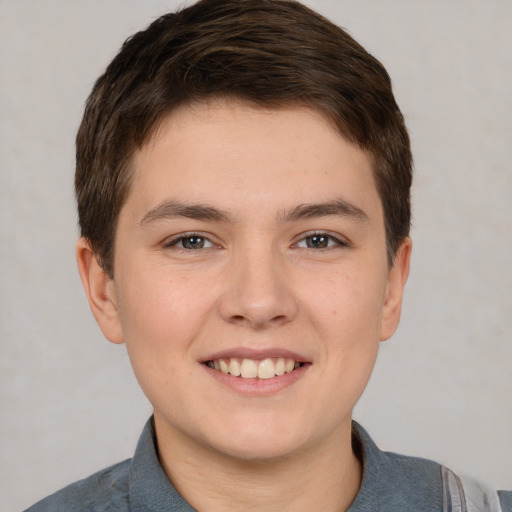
(258, 387)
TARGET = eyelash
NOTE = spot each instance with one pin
(324, 235)
(187, 237)
(332, 241)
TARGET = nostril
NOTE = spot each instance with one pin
(257, 321)
(257, 305)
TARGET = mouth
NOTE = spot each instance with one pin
(263, 369)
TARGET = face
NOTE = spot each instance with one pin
(251, 280)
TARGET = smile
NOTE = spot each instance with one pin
(254, 368)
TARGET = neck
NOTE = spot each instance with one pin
(325, 476)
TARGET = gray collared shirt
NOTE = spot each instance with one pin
(391, 483)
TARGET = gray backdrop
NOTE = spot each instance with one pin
(442, 388)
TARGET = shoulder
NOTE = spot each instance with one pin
(462, 494)
(104, 491)
(415, 482)
(459, 493)
(505, 500)
(394, 482)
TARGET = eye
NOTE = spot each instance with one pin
(319, 241)
(190, 241)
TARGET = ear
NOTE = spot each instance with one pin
(397, 278)
(100, 291)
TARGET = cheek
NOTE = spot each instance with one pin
(348, 304)
(158, 327)
(160, 312)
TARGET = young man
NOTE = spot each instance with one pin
(243, 177)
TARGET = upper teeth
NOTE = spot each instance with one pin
(252, 368)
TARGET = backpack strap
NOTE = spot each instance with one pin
(466, 495)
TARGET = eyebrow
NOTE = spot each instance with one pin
(171, 209)
(338, 207)
(204, 212)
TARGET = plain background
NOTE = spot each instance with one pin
(442, 388)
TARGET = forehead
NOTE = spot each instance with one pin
(240, 157)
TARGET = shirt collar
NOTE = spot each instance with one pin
(389, 480)
(150, 489)
(394, 482)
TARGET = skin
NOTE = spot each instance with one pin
(255, 285)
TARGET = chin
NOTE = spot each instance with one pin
(262, 443)
(259, 451)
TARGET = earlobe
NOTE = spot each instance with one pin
(397, 278)
(100, 291)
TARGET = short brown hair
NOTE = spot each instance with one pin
(272, 53)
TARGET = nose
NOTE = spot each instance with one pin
(258, 292)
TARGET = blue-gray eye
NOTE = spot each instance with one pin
(192, 242)
(319, 241)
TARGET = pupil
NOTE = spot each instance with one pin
(193, 242)
(317, 241)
